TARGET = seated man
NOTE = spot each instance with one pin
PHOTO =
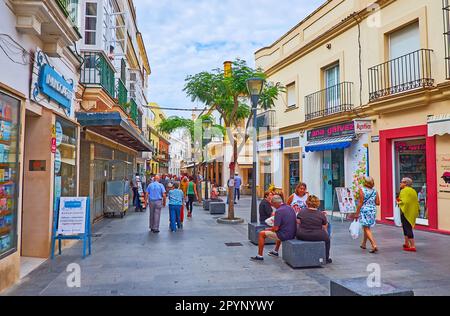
(285, 228)
(215, 195)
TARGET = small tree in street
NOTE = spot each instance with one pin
(227, 94)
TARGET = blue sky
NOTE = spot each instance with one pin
(184, 37)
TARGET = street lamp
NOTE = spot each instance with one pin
(207, 124)
(255, 87)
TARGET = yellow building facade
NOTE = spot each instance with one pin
(157, 163)
(367, 92)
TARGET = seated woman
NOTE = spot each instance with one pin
(313, 224)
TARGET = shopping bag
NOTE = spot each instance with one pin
(397, 216)
(182, 213)
(354, 229)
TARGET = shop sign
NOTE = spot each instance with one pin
(337, 130)
(271, 144)
(363, 126)
(58, 133)
(53, 147)
(346, 201)
(403, 146)
(444, 175)
(72, 216)
(49, 83)
(375, 139)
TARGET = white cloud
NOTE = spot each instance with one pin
(184, 37)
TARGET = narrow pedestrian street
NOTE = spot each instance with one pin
(128, 260)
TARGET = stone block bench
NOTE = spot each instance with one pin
(360, 287)
(253, 233)
(304, 254)
(217, 208)
(206, 204)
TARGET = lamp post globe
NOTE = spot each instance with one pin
(255, 87)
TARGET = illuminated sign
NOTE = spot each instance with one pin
(55, 86)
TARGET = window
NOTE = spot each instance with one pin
(291, 95)
(404, 41)
(292, 142)
(332, 79)
(90, 24)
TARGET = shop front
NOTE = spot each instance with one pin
(292, 162)
(269, 162)
(109, 151)
(409, 153)
(342, 151)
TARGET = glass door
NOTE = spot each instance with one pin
(327, 180)
(332, 78)
(294, 172)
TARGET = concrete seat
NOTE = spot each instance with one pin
(253, 233)
(304, 254)
(217, 208)
(206, 204)
(360, 287)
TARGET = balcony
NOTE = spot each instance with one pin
(406, 73)
(51, 21)
(330, 101)
(122, 95)
(97, 71)
(265, 120)
(134, 112)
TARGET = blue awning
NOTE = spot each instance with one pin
(113, 126)
(330, 143)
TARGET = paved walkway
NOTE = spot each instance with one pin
(128, 260)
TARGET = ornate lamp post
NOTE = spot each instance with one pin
(255, 87)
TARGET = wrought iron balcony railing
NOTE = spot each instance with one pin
(122, 95)
(266, 119)
(64, 5)
(408, 72)
(134, 112)
(97, 71)
(333, 100)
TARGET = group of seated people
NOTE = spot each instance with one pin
(306, 223)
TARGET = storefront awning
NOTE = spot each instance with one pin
(113, 126)
(439, 125)
(330, 143)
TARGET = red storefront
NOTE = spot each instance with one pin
(409, 152)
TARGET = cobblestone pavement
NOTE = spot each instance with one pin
(128, 260)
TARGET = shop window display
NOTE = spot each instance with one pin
(65, 159)
(9, 132)
(411, 163)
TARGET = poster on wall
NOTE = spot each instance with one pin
(346, 200)
(72, 216)
(444, 176)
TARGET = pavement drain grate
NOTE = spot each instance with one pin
(234, 244)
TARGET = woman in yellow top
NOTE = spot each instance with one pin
(408, 202)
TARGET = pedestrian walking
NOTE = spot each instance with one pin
(366, 212)
(176, 200)
(313, 224)
(285, 228)
(156, 197)
(298, 200)
(408, 201)
(135, 182)
(191, 195)
(237, 187)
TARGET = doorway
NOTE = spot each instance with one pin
(333, 176)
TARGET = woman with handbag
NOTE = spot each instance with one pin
(366, 212)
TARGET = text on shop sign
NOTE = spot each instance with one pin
(332, 131)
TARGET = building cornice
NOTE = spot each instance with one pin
(349, 22)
